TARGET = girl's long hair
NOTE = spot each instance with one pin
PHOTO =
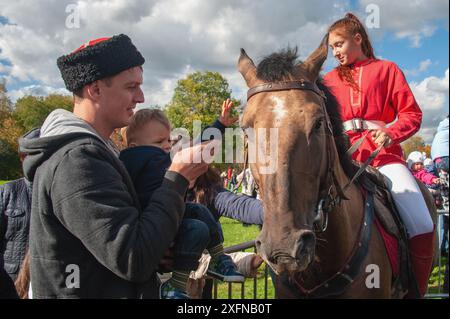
(205, 188)
(352, 26)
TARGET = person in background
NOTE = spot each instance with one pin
(248, 182)
(439, 154)
(15, 213)
(429, 166)
(415, 164)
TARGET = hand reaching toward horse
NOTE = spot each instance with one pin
(226, 117)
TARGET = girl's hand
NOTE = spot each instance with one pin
(436, 181)
(226, 117)
(380, 137)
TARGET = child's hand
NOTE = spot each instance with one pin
(436, 181)
(194, 288)
(226, 117)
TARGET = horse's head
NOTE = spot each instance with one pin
(292, 189)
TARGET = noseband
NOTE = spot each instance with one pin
(329, 198)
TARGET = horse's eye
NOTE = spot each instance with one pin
(318, 125)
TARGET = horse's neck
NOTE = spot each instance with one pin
(336, 244)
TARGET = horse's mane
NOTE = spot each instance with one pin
(280, 66)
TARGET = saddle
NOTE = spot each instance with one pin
(388, 221)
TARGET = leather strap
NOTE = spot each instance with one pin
(337, 284)
(283, 86)
(358, 125)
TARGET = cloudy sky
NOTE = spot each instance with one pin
(181, 36)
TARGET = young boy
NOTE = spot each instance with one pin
(146, 159)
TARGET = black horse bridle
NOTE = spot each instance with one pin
(328, 200)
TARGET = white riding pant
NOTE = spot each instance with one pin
(408, 199)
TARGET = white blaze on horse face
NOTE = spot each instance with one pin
(279, 110)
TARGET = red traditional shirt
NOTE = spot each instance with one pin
(383, 95)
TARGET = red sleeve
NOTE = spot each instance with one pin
(409, 115)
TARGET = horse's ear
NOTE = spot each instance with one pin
(247, 68)
(314, 62)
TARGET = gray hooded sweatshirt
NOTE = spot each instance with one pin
(88, 236)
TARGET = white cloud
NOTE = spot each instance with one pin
(31, 55)
(35, 90)
(175, 35)
(413, 20)
(423, 66)
(171, 34)
(432, 95)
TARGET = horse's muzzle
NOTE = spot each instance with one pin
(293, 257)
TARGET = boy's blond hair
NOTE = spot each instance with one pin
(139, 119)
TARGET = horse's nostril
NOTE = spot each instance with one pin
(304, 244)
(258, 244)
(308, 239)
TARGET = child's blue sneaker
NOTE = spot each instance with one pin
(223, 267)
(167, 291)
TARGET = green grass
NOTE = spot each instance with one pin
(433, 283)
(3, 182)
(235, 233)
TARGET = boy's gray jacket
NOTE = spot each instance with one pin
(88, 236)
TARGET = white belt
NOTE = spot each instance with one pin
(358, 124)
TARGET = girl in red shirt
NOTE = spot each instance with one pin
(375, 99)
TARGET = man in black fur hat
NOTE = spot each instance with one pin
(89, 238)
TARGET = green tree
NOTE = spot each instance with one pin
(415, 143)
(9, 160)
(5, 102)
(198, 97)
(31, 111)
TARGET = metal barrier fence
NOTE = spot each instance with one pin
(442, 274)
(237, 248)
(251, 244)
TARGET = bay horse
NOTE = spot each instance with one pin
(319, 241)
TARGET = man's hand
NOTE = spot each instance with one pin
(225, 117)
(189, 161)
(379, 137)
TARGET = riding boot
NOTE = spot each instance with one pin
(421, 248)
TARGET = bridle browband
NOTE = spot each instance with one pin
(284, 86)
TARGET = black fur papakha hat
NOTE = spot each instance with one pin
(98, 59)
